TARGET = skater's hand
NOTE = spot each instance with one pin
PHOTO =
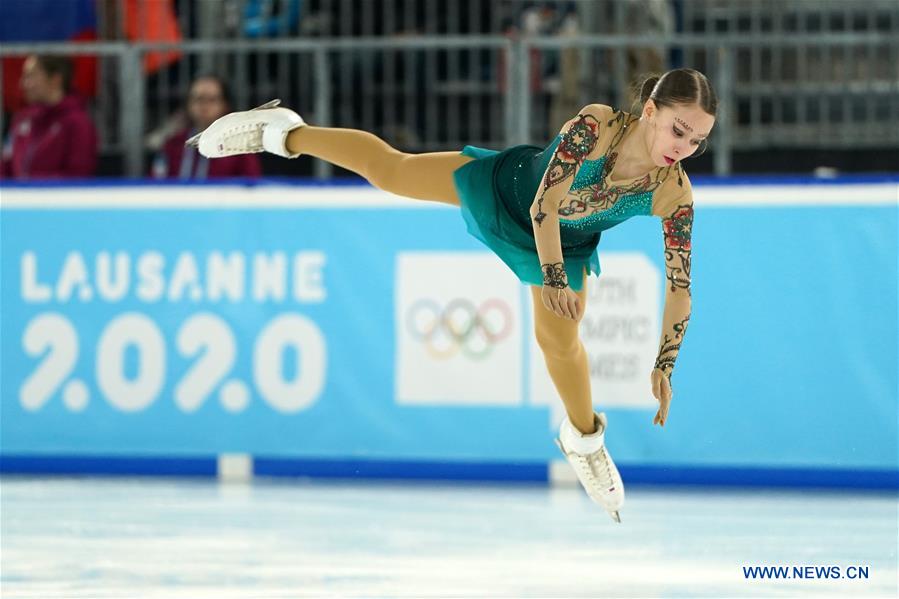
(563, 302)
(661, 389)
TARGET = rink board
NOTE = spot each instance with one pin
(340, 331)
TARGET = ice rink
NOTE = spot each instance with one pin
(96, 537)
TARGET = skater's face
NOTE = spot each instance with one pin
(206, 102)
(675, 132)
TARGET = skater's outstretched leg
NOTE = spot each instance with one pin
(422, 176)
(283, 132)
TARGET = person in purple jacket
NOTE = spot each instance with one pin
(208, 99)
(53, 136)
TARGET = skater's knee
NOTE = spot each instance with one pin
(558, 343)
(385, 171)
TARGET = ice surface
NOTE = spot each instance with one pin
(120, 537)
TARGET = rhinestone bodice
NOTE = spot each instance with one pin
(589, 174)
(528, 168)
(626, 206)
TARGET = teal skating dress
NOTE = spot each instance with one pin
(497, 188)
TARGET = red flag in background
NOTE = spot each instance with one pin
(153, 21)
(29, 21)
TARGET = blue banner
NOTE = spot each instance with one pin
(338, 330)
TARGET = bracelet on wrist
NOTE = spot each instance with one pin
(554, 275)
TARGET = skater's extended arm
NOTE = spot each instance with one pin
(579, 139)
(677, 231)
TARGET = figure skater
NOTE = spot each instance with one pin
(542, 211)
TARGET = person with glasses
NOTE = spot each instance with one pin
(208, 99)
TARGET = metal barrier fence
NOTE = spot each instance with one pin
(440, 93)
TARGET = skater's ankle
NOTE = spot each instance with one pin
(292, 143)
(583, 428)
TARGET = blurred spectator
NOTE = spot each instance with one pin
(53, 136)
(208, 99)
(268, 18)
(645, 17)
(566, 90)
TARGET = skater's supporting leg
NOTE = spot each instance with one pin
(421, 176)
(566, 361)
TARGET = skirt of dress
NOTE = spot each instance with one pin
(504, 227)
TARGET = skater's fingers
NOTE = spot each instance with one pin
(557, 309)
(548, 304)
(559, 301)
(572, 301)
(578, 309)
(666, 389)
(664, 404)
(655, 387)
(547, 294)
(557, 298)
(565, 304)
(556, 305)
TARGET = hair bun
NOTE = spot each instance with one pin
(647, 87)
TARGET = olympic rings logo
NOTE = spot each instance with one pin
(459, 327)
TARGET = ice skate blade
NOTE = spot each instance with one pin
(195, 140)
(269, 104)
(615, 517)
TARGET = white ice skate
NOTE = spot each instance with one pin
(263, 129)
(593, 465)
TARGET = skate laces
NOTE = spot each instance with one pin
(244, 138)
(599, 467)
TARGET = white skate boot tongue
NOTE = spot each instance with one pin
(274, 135)
(575, 441)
